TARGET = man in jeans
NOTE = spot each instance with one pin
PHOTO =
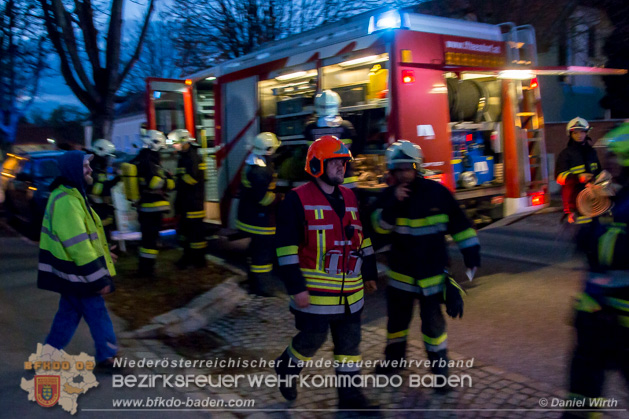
(75, 261)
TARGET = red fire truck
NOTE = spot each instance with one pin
(466, 92)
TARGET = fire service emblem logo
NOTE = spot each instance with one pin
(47, 389)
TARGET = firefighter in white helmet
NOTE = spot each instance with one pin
(576, 165)
(256, 210)
(154, 184)
(100, 192)
(417, 214)
(190, 199)
(329, 122)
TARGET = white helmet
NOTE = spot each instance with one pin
(327, 103)
(265, 144)
(154, 140)
(403, 151)
(103, 148)
(180, 136)
(578, 124)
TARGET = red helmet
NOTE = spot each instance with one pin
(324, 148)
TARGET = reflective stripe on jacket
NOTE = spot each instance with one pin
(418, 227)
(74, 257)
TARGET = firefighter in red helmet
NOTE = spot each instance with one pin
(323, 258)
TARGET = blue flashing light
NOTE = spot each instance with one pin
(157, 95)
(387, 20)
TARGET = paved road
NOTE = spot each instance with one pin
(517, 315)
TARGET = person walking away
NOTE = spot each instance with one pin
(154, 184)
(576, 165)
(256, 210)
(418, 213)
(323, 257)
(75, 261)
(190, 200)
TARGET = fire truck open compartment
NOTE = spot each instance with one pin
(287, 105)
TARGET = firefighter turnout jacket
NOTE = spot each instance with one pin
(154, 182)
(419, 225)
(602, 309)
(101, 188)
(321, 248)
(575, 159)
(256, 210)
(74, 258)
(190, 184)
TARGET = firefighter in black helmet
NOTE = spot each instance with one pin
(189, 202)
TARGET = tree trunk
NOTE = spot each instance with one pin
(102, 124)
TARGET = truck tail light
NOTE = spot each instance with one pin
(408, 76)
(537, 198)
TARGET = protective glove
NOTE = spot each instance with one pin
(453, 296)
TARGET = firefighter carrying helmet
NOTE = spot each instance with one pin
(404, 152)
(103, 148)
(154, 140)
(577, 124)
(327, 103)
(325, 148)
(180, 136)
(265, 144)
(617, 141)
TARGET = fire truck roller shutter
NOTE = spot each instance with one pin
(469, 101)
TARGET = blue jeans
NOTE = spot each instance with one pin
(67, 319)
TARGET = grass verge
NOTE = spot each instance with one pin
(137, 300)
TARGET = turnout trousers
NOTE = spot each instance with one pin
(262, 255)
(191, 234)
(602, 344)
(313, 332)
(400, 311)
(150, 224)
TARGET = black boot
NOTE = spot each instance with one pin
(436, 358)
(146, 267)
(198, 258)
(352, 398)
(288, 389)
